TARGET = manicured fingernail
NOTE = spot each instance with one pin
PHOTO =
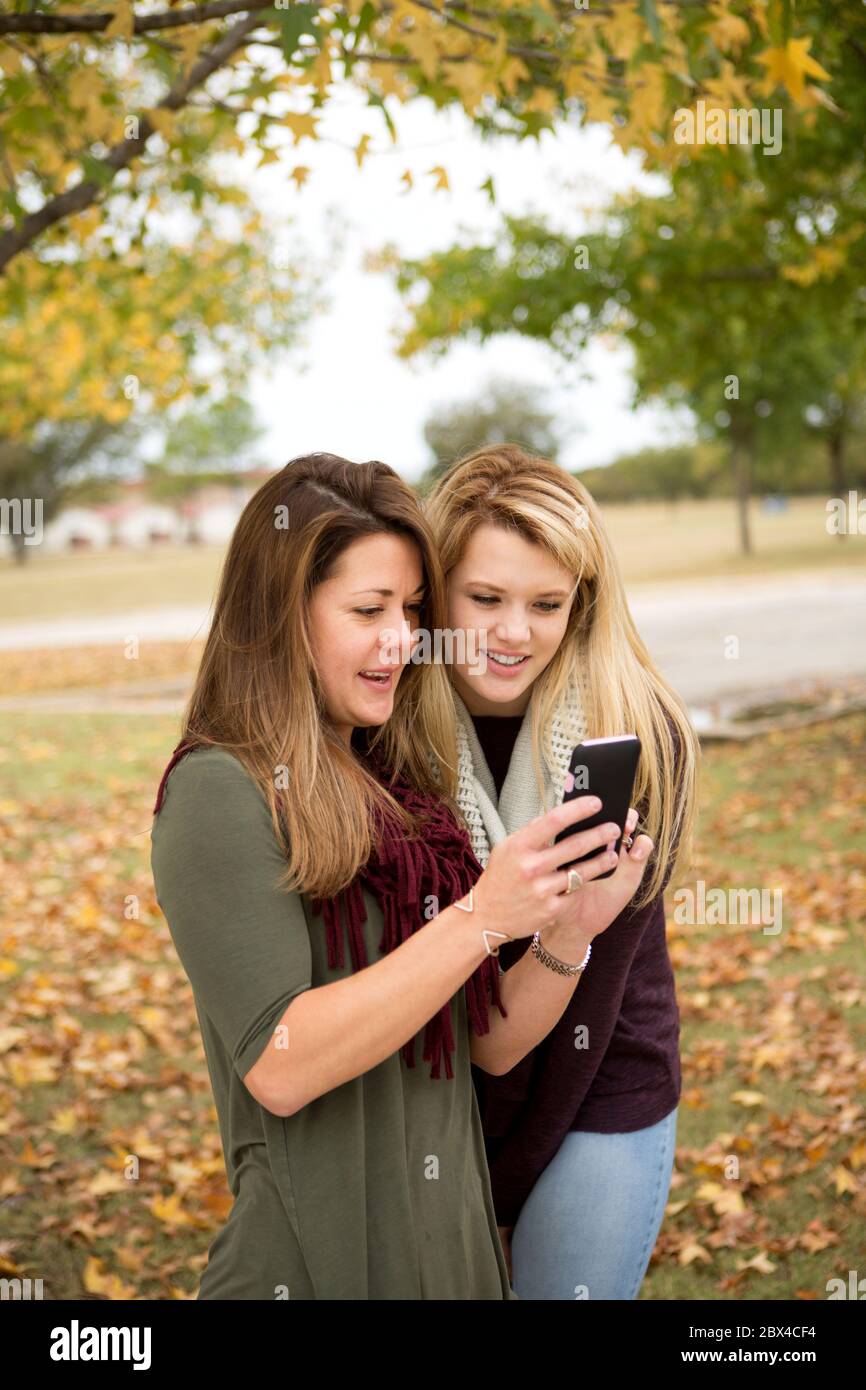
(639, 851)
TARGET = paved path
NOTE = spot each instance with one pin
(795, 628)
(147, 624)
(788, 629)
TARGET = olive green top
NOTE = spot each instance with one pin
(377, 1189)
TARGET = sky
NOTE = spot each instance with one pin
(344, 390)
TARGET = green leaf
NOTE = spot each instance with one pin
(779, 22)
(543, 19)
(96, 170)
(374, 100)
(191, 183)
(648, 10)
(365, 18)
(294, 22)
(12, 203)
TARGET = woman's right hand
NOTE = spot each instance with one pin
(522, 890)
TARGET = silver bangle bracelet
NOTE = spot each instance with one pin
(560, 966)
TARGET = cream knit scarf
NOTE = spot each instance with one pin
(491, 819)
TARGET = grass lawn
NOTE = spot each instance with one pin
(654, 541)
(111, 1174)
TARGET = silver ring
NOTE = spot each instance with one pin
(628, 841)
(572, 887)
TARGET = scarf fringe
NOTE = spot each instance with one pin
(404, 875)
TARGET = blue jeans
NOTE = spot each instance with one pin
(589, 1225)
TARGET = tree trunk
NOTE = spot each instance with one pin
(742, 487)
(19, 549)
(836, 446)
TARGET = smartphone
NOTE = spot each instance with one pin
(606, 768)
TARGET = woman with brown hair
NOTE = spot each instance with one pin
(580, 1134)
(299, 816)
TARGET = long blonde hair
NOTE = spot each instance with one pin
(257, 692)
(601, 651)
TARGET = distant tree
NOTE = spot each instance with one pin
(45, 470)
(692, 470)
(204, 443)
(504, 411)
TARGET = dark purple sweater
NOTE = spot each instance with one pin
(627, 1073)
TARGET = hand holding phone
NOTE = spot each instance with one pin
(606, 768)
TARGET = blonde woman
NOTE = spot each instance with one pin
(580, 1134)
(326, 905)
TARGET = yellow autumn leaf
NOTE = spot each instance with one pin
(727, 31)
(64, 1121)
(97, 1280)
(321, 70)
(161, 119)
(469, 79)
(391, 81)
(791, 65)
(32, 1071)
(722, 1198)
(130, 1258)
(625, 31)
(94, 1278)
(760, 1262)
(728, 89)
(170, 1212)
(749, 1098)
(648, 102)
(360, 150)
(499, 52)
(182, 1174)
(421, 46)
(775, 1055)
(302, 125)
(123, 24)
(692, 1251)
(844, 1181)
(823, 937)
(106, 1182)
(189, 43)
(514, 71)
(857, 1156)
(543, 100)
(300, 174)
(441, 177)
(33, 1159)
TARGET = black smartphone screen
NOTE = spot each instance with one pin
(606, 768)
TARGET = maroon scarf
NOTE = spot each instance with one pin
(402, 874)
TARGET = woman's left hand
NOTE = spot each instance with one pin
(600, 901)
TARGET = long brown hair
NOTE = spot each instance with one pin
(602, 653)
(257, 692)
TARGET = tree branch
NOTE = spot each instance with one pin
(122, 154)
(144, 24)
